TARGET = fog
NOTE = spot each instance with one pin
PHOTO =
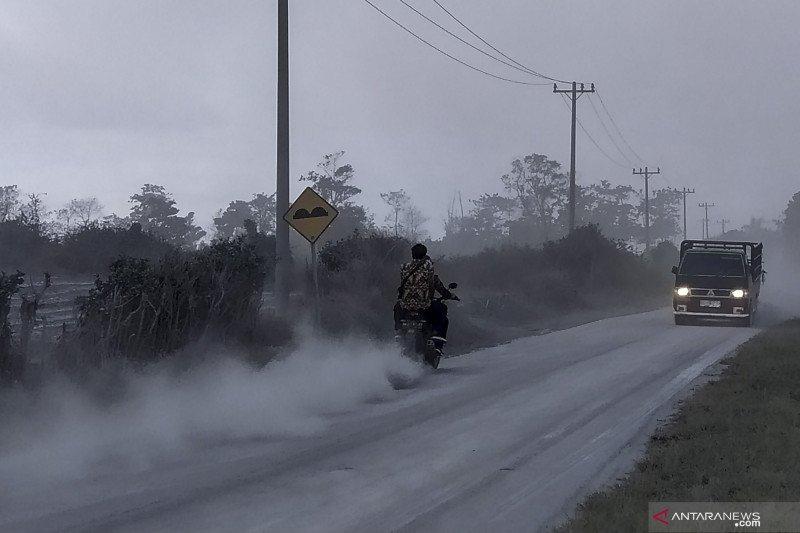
(183, 94)
(63, 433)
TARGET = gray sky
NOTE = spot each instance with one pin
(101, 96)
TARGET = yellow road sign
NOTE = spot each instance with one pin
(310, 215)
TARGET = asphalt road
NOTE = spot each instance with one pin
(503, 439)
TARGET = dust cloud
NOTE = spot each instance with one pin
(63, 434)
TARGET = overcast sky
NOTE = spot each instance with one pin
(101, 96)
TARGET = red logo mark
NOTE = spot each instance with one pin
(661, 516)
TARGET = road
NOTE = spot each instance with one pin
(503, 439)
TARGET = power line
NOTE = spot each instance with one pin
(599, 148)
(426, 17)
(611, 138)
(518, 82)
(484, 41)
(621, 136)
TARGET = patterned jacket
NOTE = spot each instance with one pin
(418, 291)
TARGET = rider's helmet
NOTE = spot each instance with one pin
(419, 251)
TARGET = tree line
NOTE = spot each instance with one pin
(531, 209)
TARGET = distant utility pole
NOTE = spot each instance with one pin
(685, 191)
(574, 93)
(706, 205)
(723, 222)
(283, 266)
(646, 173)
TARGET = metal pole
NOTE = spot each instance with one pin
(315, 274)
(282, 251)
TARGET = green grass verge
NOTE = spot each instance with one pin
(735, 439)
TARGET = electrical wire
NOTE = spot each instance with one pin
(614, 123)
(487, 54)
(599, 148)
(509, 80)
(484, 41)
(608, 133)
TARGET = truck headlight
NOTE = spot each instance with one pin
(682, 291)
(737, 293)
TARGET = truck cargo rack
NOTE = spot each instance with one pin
(752, 250)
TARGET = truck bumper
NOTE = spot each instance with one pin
(712, 315)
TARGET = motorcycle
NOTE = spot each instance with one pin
(416, 335)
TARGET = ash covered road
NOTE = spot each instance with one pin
(503, 439)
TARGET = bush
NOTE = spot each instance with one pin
(512, 285)
(360, 276)
(9, 284)
(143, 311)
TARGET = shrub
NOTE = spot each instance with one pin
(143, 311)
(9, 284)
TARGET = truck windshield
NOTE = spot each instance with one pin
(700, 264)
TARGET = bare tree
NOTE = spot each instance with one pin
(84, 210)
(397, 201)
(405, 218)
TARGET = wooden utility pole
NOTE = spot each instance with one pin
(646, 173)
(705, 205)
(685, 191)
(574, 93)
(282, 251)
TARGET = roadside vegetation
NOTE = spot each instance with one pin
(163, 285)
(735, 439)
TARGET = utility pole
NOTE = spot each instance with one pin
(706, 205)
(723, 222)
(685, 191)
(282, 251)
(574, 93)
(646, 173)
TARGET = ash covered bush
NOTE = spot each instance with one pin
(359, 277)
(511, 285)
(145, 310)
(9, 285)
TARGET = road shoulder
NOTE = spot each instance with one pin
(734, 439)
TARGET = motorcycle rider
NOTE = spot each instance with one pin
(418, 285)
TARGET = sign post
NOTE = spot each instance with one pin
(310, 215)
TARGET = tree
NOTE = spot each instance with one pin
(610, 208)
(665, 214)
(260, 210)
(332, 181)
(396, 200)
(791, 224)
(114, 221)
(156, 212)
(491, 213)
(84, 210)
(231, 222)
(33, 212)
(540, 189)
(9, 202)
(264, 212)
(405, 219)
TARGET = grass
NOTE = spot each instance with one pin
(736, 439)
